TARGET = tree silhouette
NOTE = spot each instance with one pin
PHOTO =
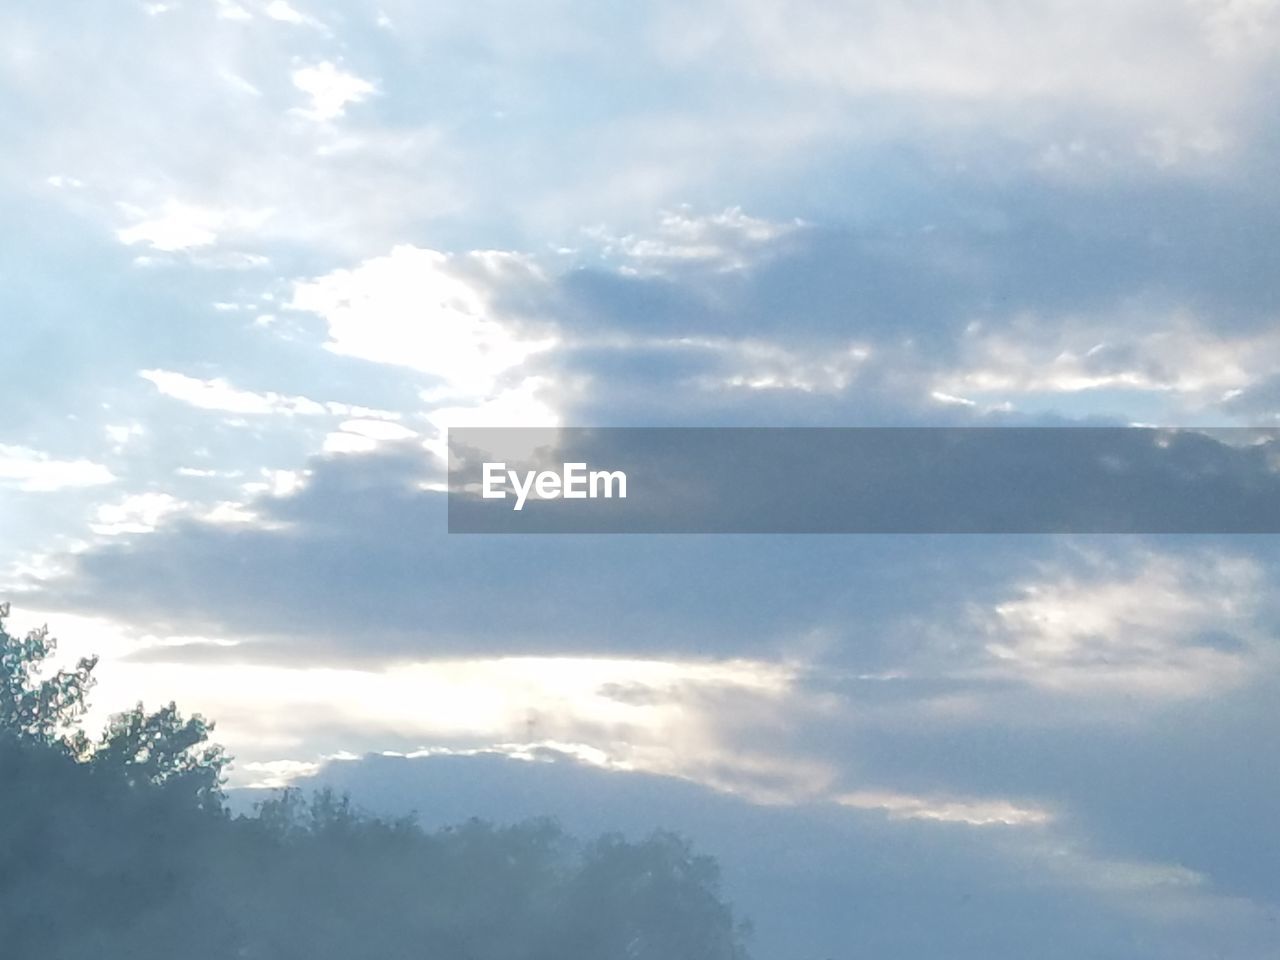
(162, 750)
(122, 847)
(33, 709)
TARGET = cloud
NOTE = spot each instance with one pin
(365, 525)
(977, 813)
(434, 312)
(253, 170)
(730, 240)
(880, 213)
(1259, 402)
(37, 472)
(136, 513)
(1140, 353)
(230, 10)
(517, 705)
(765, 103)
(1175, 628)
(331, 89)
(217, 394)
(363, 436)
(1027, 313)
(372, 525)
(867, 675)
(179, 227)
(1153, 64)
(283, 12)
(1241, 27)
(175, 227)
(797, 871)
(220, 395)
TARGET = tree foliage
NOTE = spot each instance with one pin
(122, 847)
(163, 750)
(34, 709)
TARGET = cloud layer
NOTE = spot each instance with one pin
(269, 252)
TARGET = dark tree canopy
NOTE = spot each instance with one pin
(122, 847)
(32, 708)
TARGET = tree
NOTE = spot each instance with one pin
(122, 847)
(158, 749)
(165, 751)
(35, 709)
(104, 845)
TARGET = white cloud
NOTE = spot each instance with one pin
(178, 227)
(377, 429)
(1118, 52)
(571, 703)
(760, 365)
(948, 400)
(238, 83)
(230, 10)
(285, 483)
(242, 169)
(363, 436)
(1241, 27)
(81, 635)
(280, 10)
(1114, 73)
(331, 89)
(343, 442)
(276, 774)
(175, 227)
(1172, 628)
(218, 394)
(431, 311)
(59, 182)
(278, 483)
(137, 513)
(524, 405)
(229, 512)
(970, 811)
(37, 472)
(205, 472)
(1035, 354)
(730, 240)
(123, 434)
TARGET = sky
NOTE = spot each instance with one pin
(258, 256)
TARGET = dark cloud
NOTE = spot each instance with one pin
(1259, 402)
(819, 880)
(1186, 782)
(975, 253)
(361, 564)
(357, 563)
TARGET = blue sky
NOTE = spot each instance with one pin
(260, 254)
